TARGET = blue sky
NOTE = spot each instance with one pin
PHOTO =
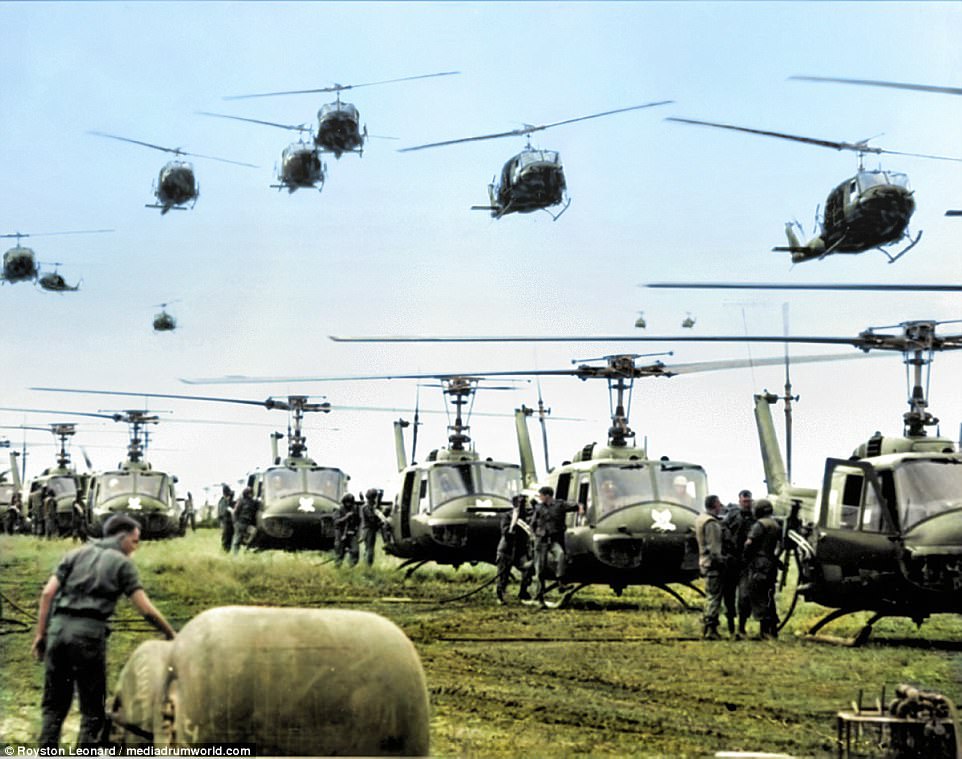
(390, 245)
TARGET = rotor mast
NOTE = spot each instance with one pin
(63, 431)
(459, 390)
(297, 405)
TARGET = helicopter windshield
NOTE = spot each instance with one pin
(328, 482)
(867, 179)
(150, 484)
(927, 488)
(344, 110)
(619, 486)
(477, 478)
(62, 486)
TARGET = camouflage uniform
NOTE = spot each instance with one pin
(761, 553)
(91, 578)
(711, 563)
(78, 521)
(514, 548)
(346, 521)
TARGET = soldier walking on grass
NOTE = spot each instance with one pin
(735, 593)
(761, 552)
(514, 548)
(245, 520)
(71, 634)
(346, 523)
(225, 515)
(371, 522)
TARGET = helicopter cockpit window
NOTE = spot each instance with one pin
(867, 179)
(927, 488)
(684, 486)
(498, 480)
(62, 486)
(328, 482)
(281, 483)
(448, 482)
(153, 485)
(113, 485)
(844, 499)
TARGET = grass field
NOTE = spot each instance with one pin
(621, 676)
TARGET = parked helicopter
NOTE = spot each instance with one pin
(339, 123)
(868, 211)
(20, 262)
(134, 487)
(63, 479)
(164, 322)
(532, 180)
(176, 185)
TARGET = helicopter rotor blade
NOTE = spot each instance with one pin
(149, 395)
(175, 151)
(221, 160)
(340, 87)
(293, 127)
(864, 286)
(529, 128)
(858, 147)
(875, 83)
(112, 417)
(69, 232)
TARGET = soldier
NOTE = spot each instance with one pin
(13, 515)
(225, 515)
(735, 592)
(35, 505)
(371, 522)
(78, 519)
(49, 501)
(346, 522)
(71, 634)
(189, 516)
(245, 520)
(761, 553)
(711, 562)
(514, 548)
(549, 531)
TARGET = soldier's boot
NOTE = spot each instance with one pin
(710, 632)
(742, 632)
(499, 592)
(731, 627)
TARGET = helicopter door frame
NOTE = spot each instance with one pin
(584, 498)
(856, 536)
(407, 488)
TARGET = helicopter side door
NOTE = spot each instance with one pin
(407, 498)
(855, 540)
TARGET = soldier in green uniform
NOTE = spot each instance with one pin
(761, 553)
(514, 548)
(549, 531)
(735, 592)
(346, 522)
(245, 520)
(371, 521)
(711, 563)
(49, 506)
(225, 508)
(71, 634)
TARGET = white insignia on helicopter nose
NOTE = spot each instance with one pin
(662, 520)
(483, 503)
(134, 503)
(307, 504)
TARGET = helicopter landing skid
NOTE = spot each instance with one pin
(861, 637)
(677, 596)
(555, 217)
(413, 564)
(566, 592)
(165, 209)
(905, 250)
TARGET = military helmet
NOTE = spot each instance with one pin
(371, 494)
(348, 499)
(763, 508)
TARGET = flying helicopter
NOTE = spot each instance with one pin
(893, 85)
(688, 322)
(164, 322)
(301, 166)
(640, 322)
(868, 211)
(339, 128)
(20, 262)
(532, 180)
(176, 185)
